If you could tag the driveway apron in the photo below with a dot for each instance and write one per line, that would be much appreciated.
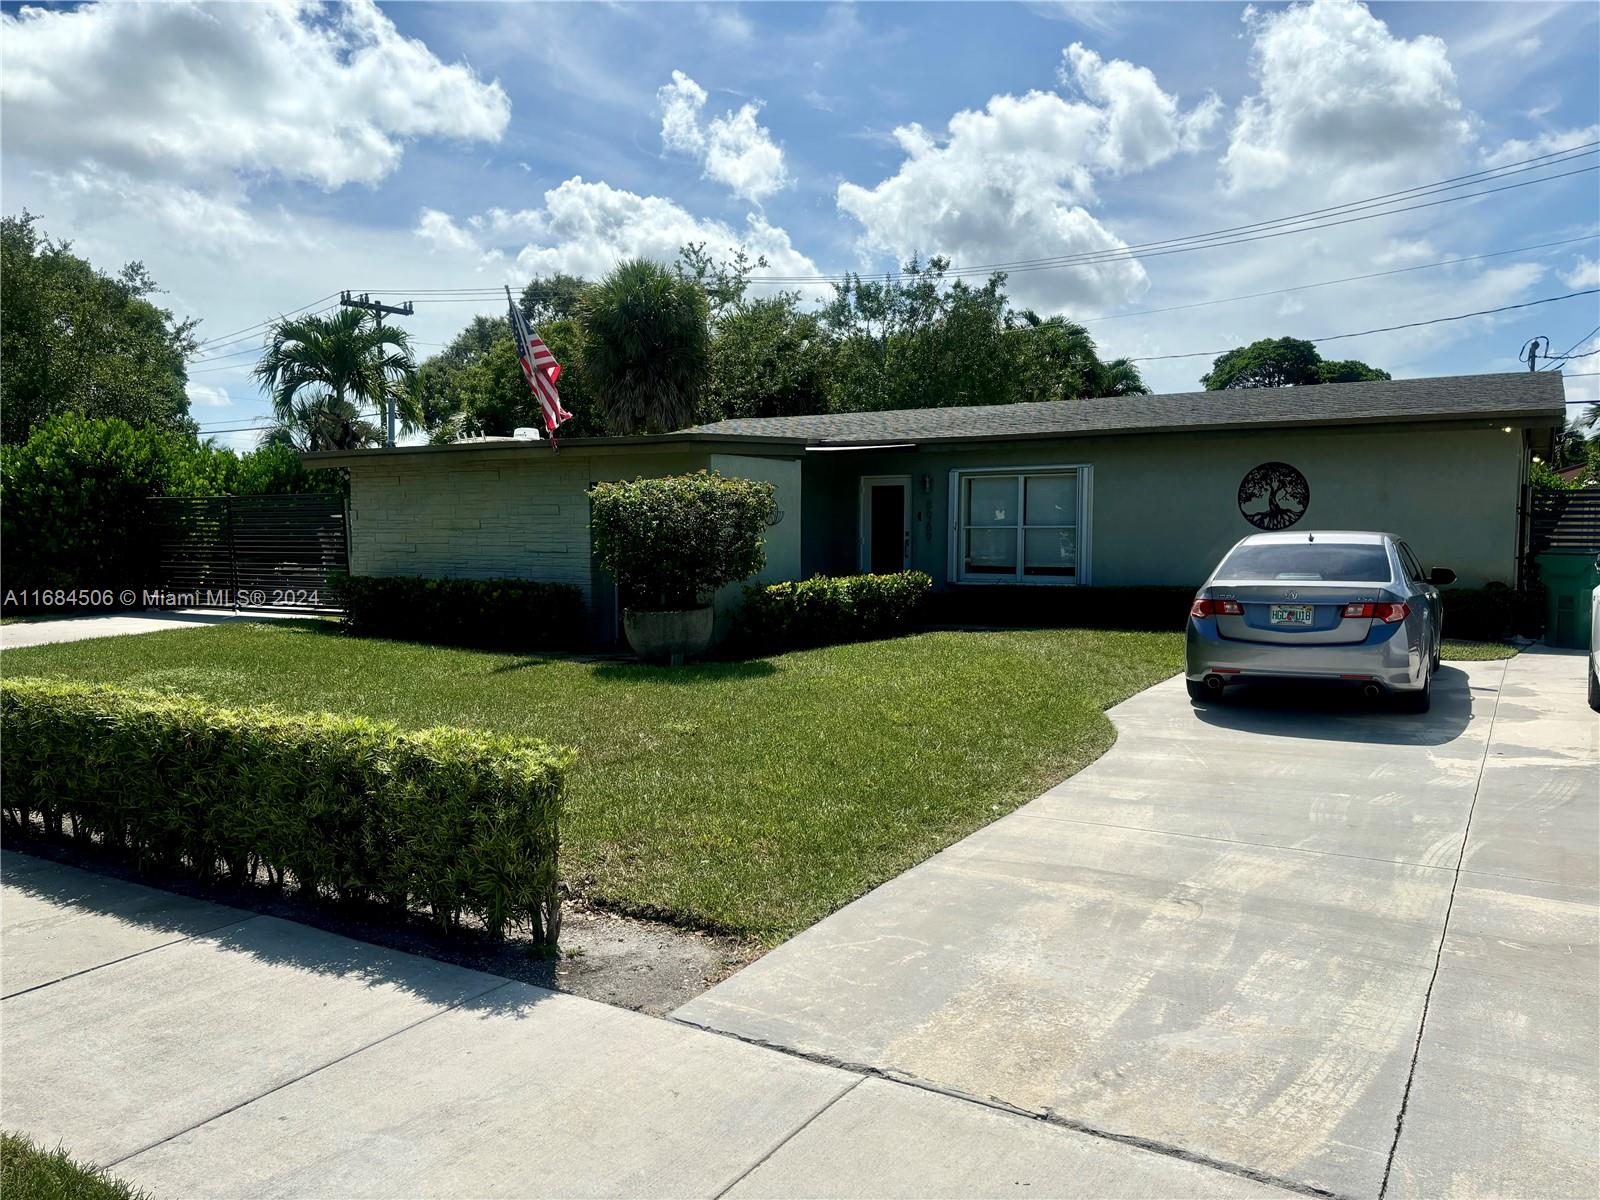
(1222, 938)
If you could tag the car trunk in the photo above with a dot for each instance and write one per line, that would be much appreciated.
(1306, 614)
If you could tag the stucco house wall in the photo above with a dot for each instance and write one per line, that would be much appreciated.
(1164, 508)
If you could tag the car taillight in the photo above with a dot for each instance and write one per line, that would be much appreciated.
(1389, 614)
(1216, 608)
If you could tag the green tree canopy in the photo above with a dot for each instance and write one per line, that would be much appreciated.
(768, 359)
(75, 340)
(1283, 362)
(331, 376)
(644, 344)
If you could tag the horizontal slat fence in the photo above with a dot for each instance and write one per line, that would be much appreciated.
(261, 551)
(1566, 520)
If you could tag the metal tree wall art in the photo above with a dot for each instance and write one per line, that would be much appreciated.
(1273, 496)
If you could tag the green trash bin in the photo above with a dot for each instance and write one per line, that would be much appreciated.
(1569, 577)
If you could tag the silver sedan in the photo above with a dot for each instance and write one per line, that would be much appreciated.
(1350, 608)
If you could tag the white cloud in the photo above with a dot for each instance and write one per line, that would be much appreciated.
(323, 95)
(202, 396)
(1141, 125)
(1014, 180)
(734, 149)
(1585, 273)
(1343, 102)
(1556, 140)
(586, 228)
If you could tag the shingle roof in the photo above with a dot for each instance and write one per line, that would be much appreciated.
(1526, 397)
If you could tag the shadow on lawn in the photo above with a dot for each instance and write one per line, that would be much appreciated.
(691, 675)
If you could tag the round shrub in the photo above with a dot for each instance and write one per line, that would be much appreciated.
(669, 543)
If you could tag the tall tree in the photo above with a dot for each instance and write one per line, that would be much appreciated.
(330, 378)
(1282, 362)
(1056, 359)
(767, 359)
(75, 340)
(644, 347)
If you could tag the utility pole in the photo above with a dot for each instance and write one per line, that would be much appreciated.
(379, 310)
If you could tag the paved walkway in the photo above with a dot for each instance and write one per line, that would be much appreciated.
(1223, 937)
(80, 629)
(202, 1051)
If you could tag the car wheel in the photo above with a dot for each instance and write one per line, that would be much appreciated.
(1594, 688)
(1199, 692)
(1418, 701)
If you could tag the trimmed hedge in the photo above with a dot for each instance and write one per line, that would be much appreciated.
(827, 609)
(1138, 608)
(452, 821)
(493, 614)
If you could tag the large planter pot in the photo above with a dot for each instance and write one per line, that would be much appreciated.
(670, 635)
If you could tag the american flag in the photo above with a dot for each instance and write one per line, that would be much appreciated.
(539, 367)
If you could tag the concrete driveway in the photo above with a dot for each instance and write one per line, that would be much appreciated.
(1341, 951)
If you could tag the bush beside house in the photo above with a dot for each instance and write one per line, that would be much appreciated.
(456, 822)
(669, 543)
(491, 614)
(825, 610)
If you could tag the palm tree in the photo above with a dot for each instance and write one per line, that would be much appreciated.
(644, 347)
(325, 374)
(1119, 377)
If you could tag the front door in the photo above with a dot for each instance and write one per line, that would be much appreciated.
(885, 524)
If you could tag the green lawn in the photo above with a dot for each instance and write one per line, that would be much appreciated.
(29, 1173)
(1475, 651)
(752, 797)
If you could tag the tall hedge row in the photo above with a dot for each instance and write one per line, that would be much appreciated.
(450, 821)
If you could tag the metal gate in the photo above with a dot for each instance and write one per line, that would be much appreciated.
(249, 551)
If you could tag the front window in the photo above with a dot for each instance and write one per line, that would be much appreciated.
(1306, 562)
(1019, 528)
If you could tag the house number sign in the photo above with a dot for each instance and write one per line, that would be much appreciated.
(1273, 496)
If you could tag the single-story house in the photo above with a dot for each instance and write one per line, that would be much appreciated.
(1134, 490)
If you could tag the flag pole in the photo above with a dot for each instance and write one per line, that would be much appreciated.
(511, 306)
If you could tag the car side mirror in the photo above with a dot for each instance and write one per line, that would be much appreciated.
(1441, 577)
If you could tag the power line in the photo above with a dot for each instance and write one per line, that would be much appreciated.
(259, 324)
(1167, 245)
(1560, 358)
(1335, 337)
(1201, 242)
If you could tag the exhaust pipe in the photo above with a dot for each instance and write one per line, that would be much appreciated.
(1214, 684)
(1371, 691)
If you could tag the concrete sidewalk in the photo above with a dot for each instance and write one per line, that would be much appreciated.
(99, 625)
(198, 1050)
(1228, 934)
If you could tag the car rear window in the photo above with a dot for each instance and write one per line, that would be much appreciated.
(1307, 562)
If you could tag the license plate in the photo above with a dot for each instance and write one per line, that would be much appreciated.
(1290, 614)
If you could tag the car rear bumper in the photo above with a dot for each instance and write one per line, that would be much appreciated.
(1386, 658)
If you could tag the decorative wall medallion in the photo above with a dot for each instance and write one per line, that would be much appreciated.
(1273, 496)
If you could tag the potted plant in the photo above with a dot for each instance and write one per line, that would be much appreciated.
(670, 543)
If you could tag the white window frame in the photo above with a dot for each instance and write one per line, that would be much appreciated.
(1084, 575)
(864, 523)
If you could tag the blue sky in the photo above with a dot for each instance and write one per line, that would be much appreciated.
(259, 157)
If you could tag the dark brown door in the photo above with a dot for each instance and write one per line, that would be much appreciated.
(886, 526)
